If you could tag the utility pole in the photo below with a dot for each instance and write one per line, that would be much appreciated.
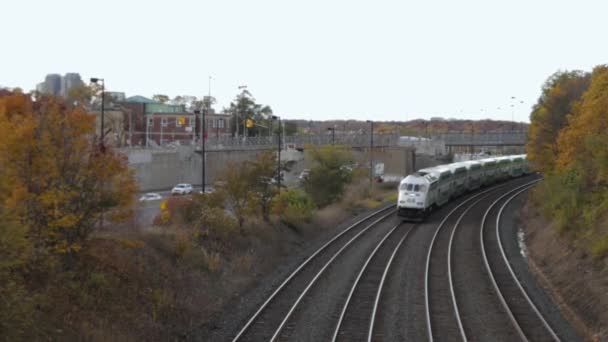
(202, 145)
(333, 134)
(274, 117)
(371, 148)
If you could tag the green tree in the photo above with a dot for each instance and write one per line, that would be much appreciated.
(244, 108)
(330, 174)
(261, 172)
(559, 93)
(161, 98)
(293, 207)
(237, 191)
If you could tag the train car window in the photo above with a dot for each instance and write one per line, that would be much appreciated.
(416, 187)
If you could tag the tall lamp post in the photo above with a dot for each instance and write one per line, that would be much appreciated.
(202, 145)
(103, 94)
(333, 134)
(371, 148)
(274, 117)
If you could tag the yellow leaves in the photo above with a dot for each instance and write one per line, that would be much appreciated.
(131, 244)
(560, 93)
(53, 176)
(589, 118)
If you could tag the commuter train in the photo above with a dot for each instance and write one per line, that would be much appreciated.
(425, 190)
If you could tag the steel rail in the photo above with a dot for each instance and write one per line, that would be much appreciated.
(316, 277)
(451, 281)
(515, 279)
(377, 301)
(428, 258)
(356, 282)
(489, 269)
(302, 265)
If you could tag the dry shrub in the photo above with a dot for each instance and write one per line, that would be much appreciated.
(244, 262)
(211, 260)
(331, 215)
(359, 195)
(294, 208)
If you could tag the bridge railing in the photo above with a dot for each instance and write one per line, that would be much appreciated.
(487, 138)
(299, 141)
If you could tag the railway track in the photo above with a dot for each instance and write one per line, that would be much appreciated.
(272, 316)
(442, 317)
(358, 314)
(522, 313)
(446, 293)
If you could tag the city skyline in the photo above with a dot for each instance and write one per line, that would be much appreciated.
(387, 61)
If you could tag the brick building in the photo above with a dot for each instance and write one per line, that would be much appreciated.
(152, 123)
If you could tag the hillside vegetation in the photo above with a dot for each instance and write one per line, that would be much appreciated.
(568, 143)
(75, 266)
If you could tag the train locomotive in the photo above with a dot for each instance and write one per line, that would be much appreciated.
(427, 189)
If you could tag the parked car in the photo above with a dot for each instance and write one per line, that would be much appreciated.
(304, 175)
(150, 196)
(208, 189)
(182, 189)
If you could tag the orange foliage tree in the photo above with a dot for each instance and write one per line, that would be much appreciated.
(55, 178)
(548, 116)
(585, 139)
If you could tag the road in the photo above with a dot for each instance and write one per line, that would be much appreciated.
(146, 211)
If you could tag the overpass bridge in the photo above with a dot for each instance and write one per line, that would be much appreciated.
(364, 140)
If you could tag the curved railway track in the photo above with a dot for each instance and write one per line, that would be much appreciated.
(438, 286)
(276, 310)
(359, 311)
(515, 317)
(521, 310)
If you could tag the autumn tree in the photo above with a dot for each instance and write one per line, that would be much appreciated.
(330, 174)
(584, 140)
(55, 178)
(261, 172)
(236, 190)
(161, 98)
(16, 305)
(559, 93)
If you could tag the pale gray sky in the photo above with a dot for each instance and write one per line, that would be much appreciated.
(381, 60)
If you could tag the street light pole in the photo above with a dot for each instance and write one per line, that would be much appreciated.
(513, 113)
(103, 94)
(371, 148)
(274, 117)
(203, 178)
(333, 134)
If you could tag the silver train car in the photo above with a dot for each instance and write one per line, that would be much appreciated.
(427, 189)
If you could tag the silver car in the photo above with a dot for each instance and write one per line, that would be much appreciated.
(182, 189)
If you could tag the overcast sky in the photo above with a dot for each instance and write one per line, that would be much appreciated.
(381, 60)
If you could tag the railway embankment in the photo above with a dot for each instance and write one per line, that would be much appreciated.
(576, 280)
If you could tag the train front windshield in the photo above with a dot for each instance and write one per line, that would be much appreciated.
(413, 187)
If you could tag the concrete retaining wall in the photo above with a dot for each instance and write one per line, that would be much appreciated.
(162, 169)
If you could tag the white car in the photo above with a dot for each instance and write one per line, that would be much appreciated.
(304, 175)
(182, 189)
(150, 196)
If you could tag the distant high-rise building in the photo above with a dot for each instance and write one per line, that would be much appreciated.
(52, 84)
(68, 82)
(55, 84)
